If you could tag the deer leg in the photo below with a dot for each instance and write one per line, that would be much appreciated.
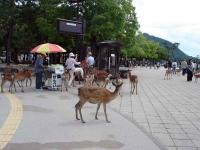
(65, 83)
(15, 87)
(2, 83)
(26, 82)
(104, 108)
(10, 88)
(22, 82)
(81, 115)
(79, 108)
(136, 88)
(30, 81)
(98, 106)
(18, 83)
(76, 110)
(133, 87)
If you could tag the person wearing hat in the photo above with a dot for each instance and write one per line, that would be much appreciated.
(70, 66)
(39, 69)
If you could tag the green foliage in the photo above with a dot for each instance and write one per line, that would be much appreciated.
(27, 23)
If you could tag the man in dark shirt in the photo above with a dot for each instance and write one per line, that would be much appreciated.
(39, 69)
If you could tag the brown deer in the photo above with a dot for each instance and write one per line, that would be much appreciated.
(6, 77)
(178, 71)
(19, 76)
(101, 77)
(96, 95)
(196, 76)
(65, 78)
(168, 74)
(133, 81)
(89, 80)
(28, 74)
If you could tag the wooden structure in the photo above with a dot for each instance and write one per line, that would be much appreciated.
(107, 56)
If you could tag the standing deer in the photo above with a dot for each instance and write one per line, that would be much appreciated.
(6, 77)
(196, 76)
(95, 95)
(168, 74)
(133, 81)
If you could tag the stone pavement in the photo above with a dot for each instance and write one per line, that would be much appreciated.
(164, 115)
(48, 122)
(168, 110)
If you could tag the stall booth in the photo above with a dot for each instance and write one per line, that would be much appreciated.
(107, 56)
(53, 77)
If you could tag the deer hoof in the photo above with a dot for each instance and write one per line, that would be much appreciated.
(83, 121)
(96, 118)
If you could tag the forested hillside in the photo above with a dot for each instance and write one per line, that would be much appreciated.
(174, 52)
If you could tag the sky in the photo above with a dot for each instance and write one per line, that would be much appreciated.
(177, 21)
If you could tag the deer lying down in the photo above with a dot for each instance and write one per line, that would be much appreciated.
(96, 95)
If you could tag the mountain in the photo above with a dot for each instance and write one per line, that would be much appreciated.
(174, 52)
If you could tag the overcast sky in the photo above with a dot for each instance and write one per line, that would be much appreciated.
(173, 20)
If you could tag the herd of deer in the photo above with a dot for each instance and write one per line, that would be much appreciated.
(88, 93)
(14, 76)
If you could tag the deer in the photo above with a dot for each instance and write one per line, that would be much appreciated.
(28, 75)
(168, 74)
(178, 71)
(65, 78)
(101, 76)
(133, 81)
(19, 76)
(196, 76)
(6, 77)
(89, 80)
(96, 95)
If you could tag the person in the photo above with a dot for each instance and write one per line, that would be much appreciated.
(184, 67)
(169, 64)
(189, 71)
(70, 66)
(39, 69)
(174, 66)
(90, 62)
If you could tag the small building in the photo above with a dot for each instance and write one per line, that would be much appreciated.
(107, 56)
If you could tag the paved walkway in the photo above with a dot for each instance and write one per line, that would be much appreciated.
(164, 115)
(166, 109)
(48, 122)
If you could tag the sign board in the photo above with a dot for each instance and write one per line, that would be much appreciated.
(70, 26)
(54, 81)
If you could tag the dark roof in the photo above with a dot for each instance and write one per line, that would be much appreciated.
(113, 44)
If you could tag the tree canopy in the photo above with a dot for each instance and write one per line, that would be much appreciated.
(26, 23)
